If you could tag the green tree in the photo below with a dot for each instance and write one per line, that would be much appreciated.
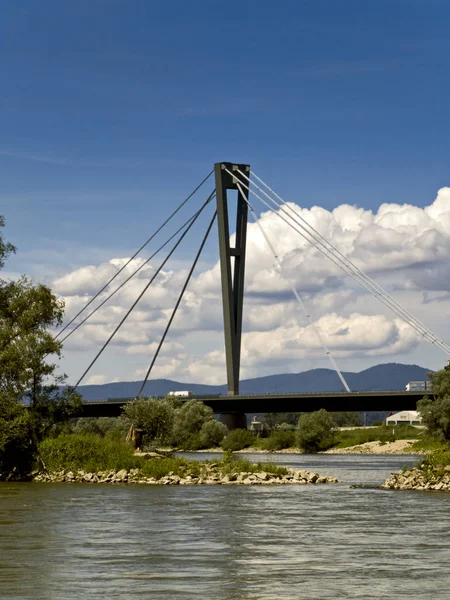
(315, 431)
(274, 420)
(440, 381)
(436, 416)
(238, 439)
(27, 373)
(6, 248)
(346, 419)
(189, 420)
(212, 433)
(436, 412)
(153, 417)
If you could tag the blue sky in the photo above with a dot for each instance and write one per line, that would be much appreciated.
(111, 111)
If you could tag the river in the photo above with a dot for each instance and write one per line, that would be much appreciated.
(72, 541)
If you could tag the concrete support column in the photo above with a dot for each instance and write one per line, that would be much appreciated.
(234, 420)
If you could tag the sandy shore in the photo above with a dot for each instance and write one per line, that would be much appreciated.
(397, 447)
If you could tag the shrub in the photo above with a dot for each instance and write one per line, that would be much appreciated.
(17, 447)
(346, 419)
(229, 464)
(86, 451)
(436, 416)
(278, 440)
(238, 439)
(189, 420)
(102, 426)
(191, 442)
(315, 431)
(212, 433)
(153, 417)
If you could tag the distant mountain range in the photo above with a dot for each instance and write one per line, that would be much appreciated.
(390, 376)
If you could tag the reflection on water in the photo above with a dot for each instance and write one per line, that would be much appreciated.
(227, 542)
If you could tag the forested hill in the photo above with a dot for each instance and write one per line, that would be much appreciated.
(390, 376)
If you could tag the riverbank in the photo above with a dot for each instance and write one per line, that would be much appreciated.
(375, 447)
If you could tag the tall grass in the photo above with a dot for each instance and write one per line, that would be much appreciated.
(92, 453)
(86, 452)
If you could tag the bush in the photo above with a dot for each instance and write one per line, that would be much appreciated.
(438, 459)
(278, 440)
(153, 417)
(189, 420)
(238, 439)
(212, 433)
(102, 426)
(92, 453)
(315, 431)
(191, 442)
(436, 416)
(17, 446)
(86, 451)
(346, 419)
(229, 464)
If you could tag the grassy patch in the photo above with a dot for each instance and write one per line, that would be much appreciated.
(384, 434)
(87, 452)
(229, 464)
(438, 459)
(279, 440)
(92, 453)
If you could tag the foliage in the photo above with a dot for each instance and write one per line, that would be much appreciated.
(188, 422)
(315, 431)
(428, 443)
(230, 464)
(384, 434)
(153, 417)
(273, 420)
(279, 440)
(86, 451)
(27, 311)
(346, 419)
(16, 440)
(92, 453)
(436, 413)
(6, 248)
(102, 426)
(440, 381)
(238, 439)
(212, 433)
(438, 459)
(436, 416)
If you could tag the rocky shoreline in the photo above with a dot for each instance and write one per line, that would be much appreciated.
(420, 479)
(209, 475)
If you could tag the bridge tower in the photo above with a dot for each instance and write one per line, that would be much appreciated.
(232, 269)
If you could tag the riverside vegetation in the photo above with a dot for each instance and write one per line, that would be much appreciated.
(40, 438)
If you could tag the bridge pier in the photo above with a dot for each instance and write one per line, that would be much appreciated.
(234, 420)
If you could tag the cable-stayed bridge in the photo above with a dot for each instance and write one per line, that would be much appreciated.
(240, 180)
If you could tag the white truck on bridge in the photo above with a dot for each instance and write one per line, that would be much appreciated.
(181, 394)
(418, 386)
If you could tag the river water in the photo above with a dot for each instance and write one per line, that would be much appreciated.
(72, 541)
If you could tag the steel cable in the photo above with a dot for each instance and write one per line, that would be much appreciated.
(134, 256)
(138, 269)
(351, 270)
(139, 298)
(194, 264)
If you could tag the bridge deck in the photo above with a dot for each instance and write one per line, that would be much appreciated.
(389, 400)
